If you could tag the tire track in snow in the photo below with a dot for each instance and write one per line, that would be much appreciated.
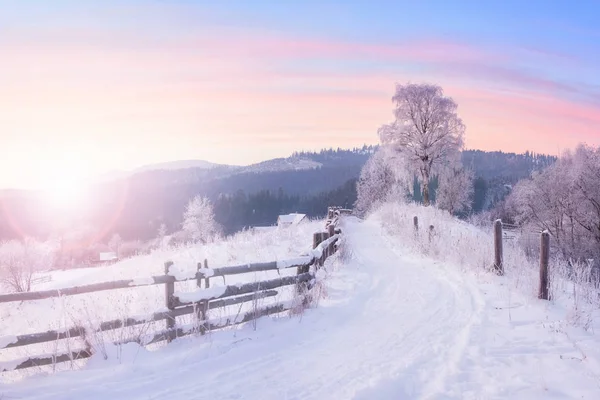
(445, 329)
(451, 359)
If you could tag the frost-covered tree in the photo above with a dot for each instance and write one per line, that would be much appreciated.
(115, 243)
(586, 165)
(19, 261)
(455, 192)
(199, 223)
(380, 180)
(161, 239)
(162, 231)
(374, 184)
(161, 234)
(427, 132)
(564, 199)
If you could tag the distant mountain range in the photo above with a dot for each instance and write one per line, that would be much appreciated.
(134, 204)
(183, 164)
(276, 164)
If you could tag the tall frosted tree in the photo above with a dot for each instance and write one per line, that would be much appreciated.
(426, 132)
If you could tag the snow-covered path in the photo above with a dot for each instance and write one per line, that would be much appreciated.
(392, 326)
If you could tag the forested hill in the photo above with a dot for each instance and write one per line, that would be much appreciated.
(496, 172)
(494, 164)
(243, 196)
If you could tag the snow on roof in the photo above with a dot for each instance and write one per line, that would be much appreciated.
(291, 218)
(108, 256)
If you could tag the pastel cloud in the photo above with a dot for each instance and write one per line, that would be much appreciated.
(194, 95)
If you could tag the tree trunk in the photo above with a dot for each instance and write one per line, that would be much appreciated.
(426, 193)
(425, 172)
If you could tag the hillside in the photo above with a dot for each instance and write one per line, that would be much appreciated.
(395, 320)
(136, 205)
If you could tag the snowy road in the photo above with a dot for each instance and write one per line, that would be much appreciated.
(393, 326)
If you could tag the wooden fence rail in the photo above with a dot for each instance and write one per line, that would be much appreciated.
(544, 285)
(198, 302)
(153, 280)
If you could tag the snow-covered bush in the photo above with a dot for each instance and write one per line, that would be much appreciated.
(115, 243)
(131, 248)
(19, 260)
(199, 223)
(381, 179)
(455, 193)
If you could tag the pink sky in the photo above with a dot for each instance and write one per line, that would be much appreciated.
(81, 102)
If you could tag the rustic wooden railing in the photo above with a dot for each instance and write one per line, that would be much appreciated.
(199, 302)
(503, 231)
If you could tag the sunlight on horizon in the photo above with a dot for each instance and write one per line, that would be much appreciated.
(65, 186)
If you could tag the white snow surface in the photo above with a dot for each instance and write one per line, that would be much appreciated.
(200, 294)
(139, 300)
(283, 264)
(142, 281)
(318, 251)
(7, 340)
(393, 325)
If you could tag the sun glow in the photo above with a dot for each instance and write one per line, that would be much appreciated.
(65, 189)
(65, 193)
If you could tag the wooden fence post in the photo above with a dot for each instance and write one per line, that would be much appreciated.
(303, 269)
(198, 278)
(331, 247)
(544, 258)
(317, 240)
(199, 307)
(325, 236)
(498, 257)
(169, 291)
(206, 280)
(204, 305)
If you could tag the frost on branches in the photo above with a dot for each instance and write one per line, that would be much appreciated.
(564, 199)
(455, 192)
(199, 223)
(381, 179)
(427, 132)
(20, 260)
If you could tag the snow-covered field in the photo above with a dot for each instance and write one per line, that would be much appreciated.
(89, 309)
(396, 322)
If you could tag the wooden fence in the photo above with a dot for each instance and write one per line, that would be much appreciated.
(199, 302)
(509, 232)
(499, 236)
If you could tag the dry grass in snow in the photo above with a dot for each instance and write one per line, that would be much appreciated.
(88, 310)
